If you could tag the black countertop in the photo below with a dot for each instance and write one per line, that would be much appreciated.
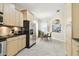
(76, 39)
(2, 39)
(6, 37)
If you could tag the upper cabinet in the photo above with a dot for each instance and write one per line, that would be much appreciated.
(9, 14)
(75, 20)
(29, 16)
(1, 7)
(12, 16)
(24, 12)
(19, 18)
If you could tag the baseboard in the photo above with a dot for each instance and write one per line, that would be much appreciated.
(58, 40)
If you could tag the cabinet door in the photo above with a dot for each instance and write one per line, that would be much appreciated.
(12, 15)
(21, 19)
(9, 14)
(24, 42)
(29, 16)
(12, 47)
(1, 7)
(75, 19)
(17, 17)
(24, 15)
(7, 20)
(19, 43)
(75, 48)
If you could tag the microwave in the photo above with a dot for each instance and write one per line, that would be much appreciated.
(1, 18)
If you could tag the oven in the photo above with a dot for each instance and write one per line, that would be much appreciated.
(2, 47)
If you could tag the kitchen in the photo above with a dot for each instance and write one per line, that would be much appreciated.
(18, 28)
(13, 34)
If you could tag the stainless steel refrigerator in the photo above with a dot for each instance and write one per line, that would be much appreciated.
(30, 31)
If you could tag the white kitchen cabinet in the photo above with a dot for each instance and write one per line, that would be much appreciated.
(15, 44)
(29, 16)
(1, 7)
(17, 19)
(24, 12)
(12, 16)
(75, 29)
(6, 16)
(75, 48)
(21, 19)
(23, 41)
(19, 43)
(9, 14)
(12, 46)
(75, 20)
(13, 20)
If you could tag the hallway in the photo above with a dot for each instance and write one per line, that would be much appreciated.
(45, 48)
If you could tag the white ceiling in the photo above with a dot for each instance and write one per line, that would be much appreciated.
(42, 10)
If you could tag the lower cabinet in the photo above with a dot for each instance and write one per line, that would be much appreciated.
(11, 47)
(75, 48)
(20, 43)
(15, 44)
(24, 42)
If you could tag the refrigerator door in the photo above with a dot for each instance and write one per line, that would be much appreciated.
(32, 34)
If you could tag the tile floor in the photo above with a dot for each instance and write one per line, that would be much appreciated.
(45, 48)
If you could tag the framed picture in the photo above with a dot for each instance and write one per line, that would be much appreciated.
(56, 26)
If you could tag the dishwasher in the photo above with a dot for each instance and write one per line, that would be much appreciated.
(2, 47)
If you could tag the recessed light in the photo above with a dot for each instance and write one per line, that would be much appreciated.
(58, 10)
